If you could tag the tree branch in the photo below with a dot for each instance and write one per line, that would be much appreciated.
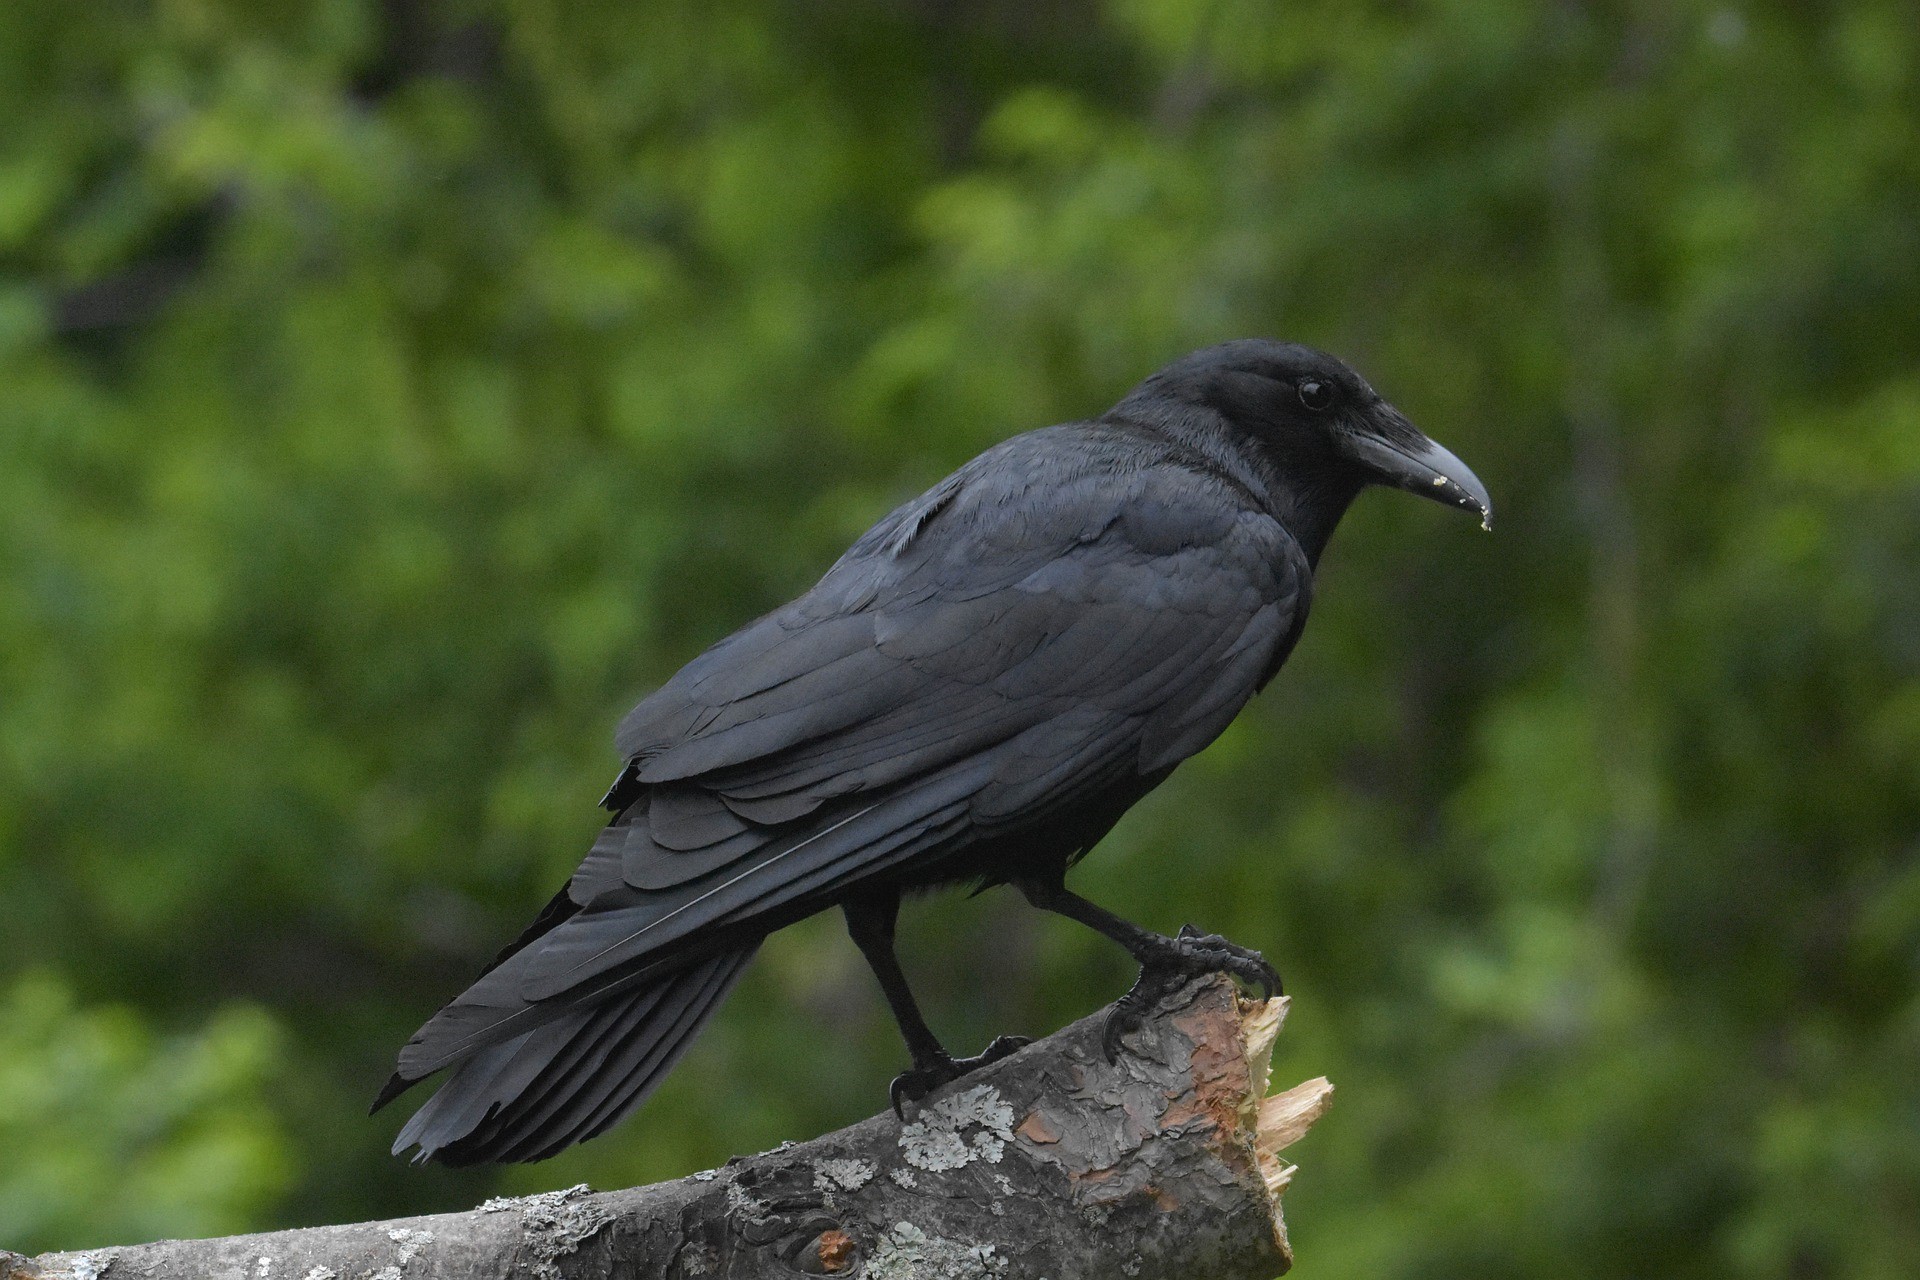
(1051, 1163)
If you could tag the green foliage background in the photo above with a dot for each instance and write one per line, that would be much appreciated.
(390, 393)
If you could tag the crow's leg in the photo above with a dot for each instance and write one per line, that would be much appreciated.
(870, 921)
(1165, 963)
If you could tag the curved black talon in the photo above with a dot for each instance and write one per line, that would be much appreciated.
(911, 1086)
(1186, 955)
(918, 1083)
(1211, 953)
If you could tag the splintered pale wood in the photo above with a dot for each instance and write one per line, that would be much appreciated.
(1051, 1163)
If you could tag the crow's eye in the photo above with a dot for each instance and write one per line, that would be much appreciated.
(1316, 395)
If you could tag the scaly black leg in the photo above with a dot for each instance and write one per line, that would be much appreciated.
(1165, 963)
(870, 922)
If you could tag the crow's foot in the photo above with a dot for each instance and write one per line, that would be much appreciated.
(911, 1086)
(1174, 961)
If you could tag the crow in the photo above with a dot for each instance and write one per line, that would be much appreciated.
(974, 693)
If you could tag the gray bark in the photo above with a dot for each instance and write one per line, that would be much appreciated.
(1051, 1163)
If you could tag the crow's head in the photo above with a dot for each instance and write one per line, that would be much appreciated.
(1315, 418)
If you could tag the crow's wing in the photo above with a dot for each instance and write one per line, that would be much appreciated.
(1085, 616)
(1043, 623)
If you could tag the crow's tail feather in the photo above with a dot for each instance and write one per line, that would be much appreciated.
(569, 1079)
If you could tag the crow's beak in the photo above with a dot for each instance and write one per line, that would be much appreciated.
(1402, 457)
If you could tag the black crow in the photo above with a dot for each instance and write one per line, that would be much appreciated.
(975, 692)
